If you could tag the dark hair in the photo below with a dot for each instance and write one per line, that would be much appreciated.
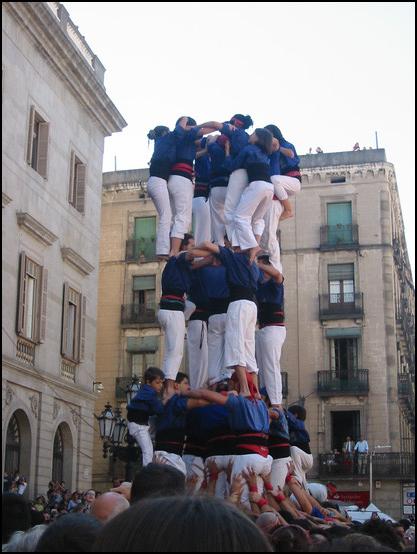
(158, 132)
(299, 411)
(157, 480)
(190, 120)
(276, 133)
(70, 533)
(383, 532)
(153, 373)
(181, 524)
(185, 240)
(180, 377)
(405, 523)
(246, 120)
(354, 542)
(16, 515)
(264, 140)
(290, 539)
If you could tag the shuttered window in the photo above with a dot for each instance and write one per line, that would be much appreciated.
(38, 141)
(341, 283)
(73, 324)
(32, 300)
(144, 293)
(76, 194)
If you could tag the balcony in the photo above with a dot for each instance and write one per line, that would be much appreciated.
(339, 237)
(348, 305)
(141, 250)
(389, 465)
(406, 396)
(133, 314)
(331, 383)
(284, 376)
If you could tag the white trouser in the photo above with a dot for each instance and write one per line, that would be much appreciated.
(269, 342)
(143, 438)
(222, 488)
(238, 181)
(258, 226)
(195, 468)
(189, 309)
(197, 353)
(279, 472)
(255, 201)
(201, 220)
(173, 324)
(173, 460)
(216, 342)
(158, 191)
(285, 186)
(259, 464)
(303, 462)
(240, 335)
(217, 200)
(181, 192)
(269, 240)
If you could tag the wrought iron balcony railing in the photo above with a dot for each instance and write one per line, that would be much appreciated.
(137, 313)
(339, 237)
(284, 377)
(338, 306)
(335, 383)
(141, 250)
(389, 465)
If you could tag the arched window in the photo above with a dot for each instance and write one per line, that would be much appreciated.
(12, 461)
(58, 457)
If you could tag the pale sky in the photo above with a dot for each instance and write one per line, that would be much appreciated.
(328, 74)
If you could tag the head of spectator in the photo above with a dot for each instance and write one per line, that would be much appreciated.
(70, 533)
(405, 523)
(354, 542)
(187, 242)
(24, 541)
(318, 491)
(15, 515)
(157, 480)
(124, 489)
(36, 517)
(90, 496)
(267, 522)
(108, 505)
(383, 532)
(298, 411)
(290, 539)
(181, 524)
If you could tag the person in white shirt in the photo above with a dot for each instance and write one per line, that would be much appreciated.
(361, 447)
(348, 449)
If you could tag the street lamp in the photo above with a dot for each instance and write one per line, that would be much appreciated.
(132, 388)
(370, 468)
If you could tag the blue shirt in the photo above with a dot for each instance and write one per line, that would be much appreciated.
(214, 281)
(248, 155)
(278, 428)
(240, 272)
(288, 164)
(173, 416)
(165, 147)
(238, 138)
(186, 148)
(146, 400)
(202, 166)
(270, 291)
(198, 293)
(246, 415)
(298, 432)
(218, 168)
(274, 163)
(176, 275)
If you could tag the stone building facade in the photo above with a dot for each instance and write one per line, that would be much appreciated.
(56, 114)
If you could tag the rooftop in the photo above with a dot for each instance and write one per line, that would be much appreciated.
(352, 157)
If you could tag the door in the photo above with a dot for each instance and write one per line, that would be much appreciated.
(344, 424)
(339, 222)
(145, 234)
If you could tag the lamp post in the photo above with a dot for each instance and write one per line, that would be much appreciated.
(370, 468)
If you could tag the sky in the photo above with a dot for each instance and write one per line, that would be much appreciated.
(328, 74)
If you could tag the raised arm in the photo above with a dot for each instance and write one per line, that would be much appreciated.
(207, 395)
(287, 152)
(208, 260)
(271, 271)
(204, 249)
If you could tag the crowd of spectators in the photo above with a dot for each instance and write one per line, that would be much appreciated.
(159, 512)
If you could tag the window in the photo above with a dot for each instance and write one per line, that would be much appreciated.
(341, 284)
(12, 458)
(73, 324)
(37, 147)
(339, 222)
(141, 361)
(32, 297)
(76, 195)
(344, 357)
(345, 424)
(338, 179)
(144, 295)
(145, 235)
(58, 457)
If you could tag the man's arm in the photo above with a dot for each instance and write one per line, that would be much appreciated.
(205, 248)
(272, 272)
(207, 395)
(206, 261)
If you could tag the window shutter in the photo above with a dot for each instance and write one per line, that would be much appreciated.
(42, 309)
(43, 149)
(71, 183)
(30, 135)
(80, 187)
(340, 272)
(20, 320)
(64, 345)
(83, 308)
(144, 282)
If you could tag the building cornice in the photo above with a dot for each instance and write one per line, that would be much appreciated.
(5, 200)
(52, 38)
(36, 229)
(80, 264)
(42, 376)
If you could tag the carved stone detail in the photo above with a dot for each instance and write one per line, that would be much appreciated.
(36, 229)
(81, 265)
(34, 404)
(9, 394)
(55, 410)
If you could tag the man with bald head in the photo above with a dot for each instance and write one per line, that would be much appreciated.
(108, 505)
